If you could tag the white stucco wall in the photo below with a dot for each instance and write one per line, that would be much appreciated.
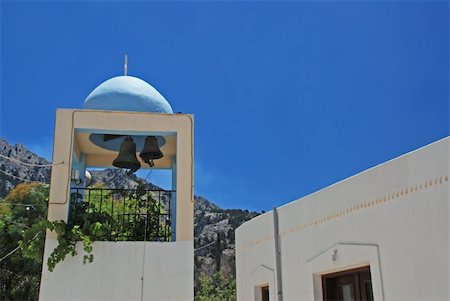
(393, 217)
(115, 273)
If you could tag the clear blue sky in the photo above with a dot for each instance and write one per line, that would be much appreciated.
(288, 97)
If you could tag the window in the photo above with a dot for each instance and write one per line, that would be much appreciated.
(265, 293)
(350, 285)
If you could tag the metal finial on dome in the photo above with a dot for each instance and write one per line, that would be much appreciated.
(125, 65)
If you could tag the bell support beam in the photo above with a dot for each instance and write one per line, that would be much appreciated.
(101, 157)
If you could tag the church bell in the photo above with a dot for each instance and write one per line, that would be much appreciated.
(127, 156)
(151, 150)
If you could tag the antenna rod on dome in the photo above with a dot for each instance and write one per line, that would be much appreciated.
(125, 65)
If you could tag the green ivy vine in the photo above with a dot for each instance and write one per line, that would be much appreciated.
(91, 226)
(88, 223)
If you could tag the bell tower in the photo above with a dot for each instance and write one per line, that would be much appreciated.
(125, 123)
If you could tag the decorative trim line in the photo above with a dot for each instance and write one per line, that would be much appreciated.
(355, 208)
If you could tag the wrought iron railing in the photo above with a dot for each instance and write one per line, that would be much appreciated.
(134, 214)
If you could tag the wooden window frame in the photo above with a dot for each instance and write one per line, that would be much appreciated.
(357, 277)
(264, 289)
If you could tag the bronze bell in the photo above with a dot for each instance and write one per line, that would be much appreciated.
(127, 156)
(151, 150)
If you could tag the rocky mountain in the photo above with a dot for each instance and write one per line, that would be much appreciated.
(118, 178)
(213, 226)
(13, 173)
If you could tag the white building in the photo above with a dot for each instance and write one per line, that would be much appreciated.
(382, 234)
(124, 112)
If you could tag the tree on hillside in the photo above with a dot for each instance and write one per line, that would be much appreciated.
(24, 206)
(216, 288)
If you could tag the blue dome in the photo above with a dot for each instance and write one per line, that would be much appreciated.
(127, 93)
